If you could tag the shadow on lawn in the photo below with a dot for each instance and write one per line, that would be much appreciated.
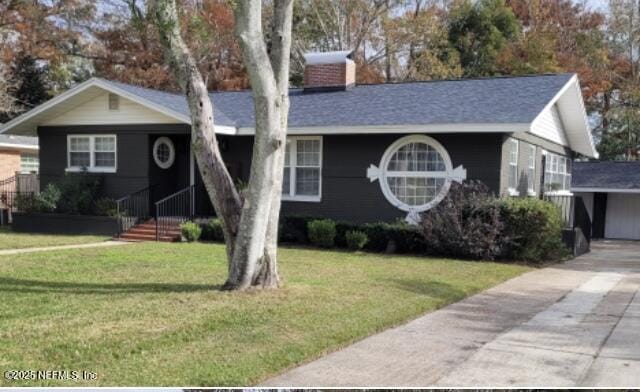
(39, 286)
(430, 288)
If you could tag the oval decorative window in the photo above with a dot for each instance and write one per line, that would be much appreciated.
(415, 174)
(164, 152)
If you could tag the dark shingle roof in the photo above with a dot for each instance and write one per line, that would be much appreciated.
(484, 101)
(173, 101)
(500, 100)
(611, 174)
(18, 140)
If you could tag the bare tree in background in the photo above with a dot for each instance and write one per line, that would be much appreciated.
(250, 223)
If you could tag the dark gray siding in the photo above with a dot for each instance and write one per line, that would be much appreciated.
(133, 154)
(347, 194)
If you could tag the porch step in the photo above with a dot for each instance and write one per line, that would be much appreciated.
(146, 231)
(147, 237)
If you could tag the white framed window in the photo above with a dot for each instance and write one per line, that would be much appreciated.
(93, 153)
(164, 152)
(415, 173)
(303, 169)
(29, 163)
(531, 170)
(513, 167)
(557, 174)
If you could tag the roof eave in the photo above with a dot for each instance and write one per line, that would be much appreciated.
(399, 128)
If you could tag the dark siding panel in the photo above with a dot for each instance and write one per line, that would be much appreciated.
(599, 214)
(347, 194)
(132, 148)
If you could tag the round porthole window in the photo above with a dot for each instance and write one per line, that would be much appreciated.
(415, 174)
(164, 152)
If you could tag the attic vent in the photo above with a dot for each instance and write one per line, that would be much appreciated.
(114, 101)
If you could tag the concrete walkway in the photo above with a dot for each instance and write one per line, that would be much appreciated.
(575, 324)
(61, 247)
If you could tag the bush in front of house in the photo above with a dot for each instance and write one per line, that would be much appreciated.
(467, 223)
(190, 231)
(322, 232)
(212, 230)
(78, 194)
(42, 202)
(356, 240)
(534, 230)
(106, 206)
(75, 194)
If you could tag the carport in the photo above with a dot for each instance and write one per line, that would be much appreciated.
(611, 193)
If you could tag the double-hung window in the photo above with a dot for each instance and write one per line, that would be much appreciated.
(94, 153)
(557, 173)
(29, 163)
(531, 170)
(513, 166)
(303, 169)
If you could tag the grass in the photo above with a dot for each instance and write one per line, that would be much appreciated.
(151, 314)
(13, 240)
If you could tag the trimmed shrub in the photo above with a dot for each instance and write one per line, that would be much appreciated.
(294, 229)
(322, 232)
(534, 229)
(212, 230)
(47, 200)
(106, 206)
(467, 223)
(356, 240)
(78, 192)
(190, 231)
(398, 237)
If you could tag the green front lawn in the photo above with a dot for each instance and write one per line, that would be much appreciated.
(12, 240)
(151, 314)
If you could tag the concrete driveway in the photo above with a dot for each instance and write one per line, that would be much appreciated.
(575, 324)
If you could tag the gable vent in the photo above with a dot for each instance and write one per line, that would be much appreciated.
(114, 101)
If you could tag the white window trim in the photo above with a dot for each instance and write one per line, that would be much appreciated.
(172, 152)
(292, 171)
(513, 191)
(567, 172)
(34, 166)
(447, 175)
(533, 151)
(91, 168)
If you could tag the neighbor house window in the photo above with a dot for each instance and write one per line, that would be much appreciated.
(29, 163)
(557, 173)
(302, 169)
(513, 166)
(95, 153)
(531, 170)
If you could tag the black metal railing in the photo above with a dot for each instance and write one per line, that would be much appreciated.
(18, 192)
(174, 210)
(134, 208)
(565, 204)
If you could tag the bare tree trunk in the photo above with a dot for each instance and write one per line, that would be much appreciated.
(255, 260)
(216, 178)
(251, 228)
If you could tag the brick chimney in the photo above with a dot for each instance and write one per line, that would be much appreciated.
(329, 71)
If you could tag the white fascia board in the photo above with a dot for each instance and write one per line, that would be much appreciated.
(391, 129)
(555, 99)
(604, 190)
(19, 146)
(575, 83)
(225, 130)
(50, 103)
(93, 82)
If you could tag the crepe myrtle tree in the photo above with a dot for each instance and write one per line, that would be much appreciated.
(250, 223)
